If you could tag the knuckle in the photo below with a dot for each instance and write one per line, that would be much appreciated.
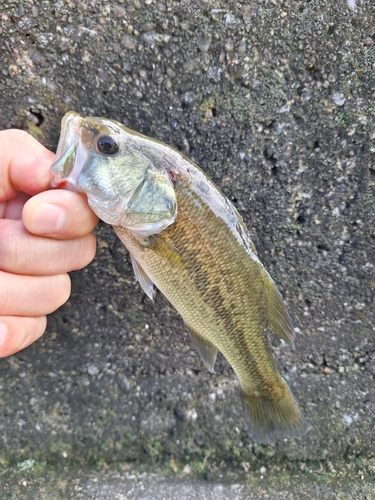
(15, 248)
(7, 241)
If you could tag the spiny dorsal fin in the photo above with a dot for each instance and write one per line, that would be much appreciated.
(279, 321)
(205, 348)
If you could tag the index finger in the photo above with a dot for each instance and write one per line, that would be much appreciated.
(24, 164)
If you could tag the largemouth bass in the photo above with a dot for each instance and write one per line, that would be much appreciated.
(186, 237)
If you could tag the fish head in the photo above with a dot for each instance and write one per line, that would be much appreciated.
(124, 185)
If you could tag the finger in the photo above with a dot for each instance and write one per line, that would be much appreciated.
(24, 253)
(24, 164)
(59, 214)
(13, 208)
(32, 295)
(16, 333)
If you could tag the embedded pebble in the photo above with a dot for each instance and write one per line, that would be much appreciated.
(204, 43)
(92, 370)
(338, 98)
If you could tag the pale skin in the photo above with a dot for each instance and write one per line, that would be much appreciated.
(44, 234)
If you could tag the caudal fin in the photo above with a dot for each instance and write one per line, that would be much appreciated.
(266, 418)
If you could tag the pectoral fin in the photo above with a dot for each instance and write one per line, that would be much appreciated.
(205, 348)
(168, 252)
(142, 278)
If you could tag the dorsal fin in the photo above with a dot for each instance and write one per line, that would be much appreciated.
(279, 321)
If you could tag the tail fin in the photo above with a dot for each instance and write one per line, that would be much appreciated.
(265, 418)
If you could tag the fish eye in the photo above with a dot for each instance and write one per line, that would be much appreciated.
(107, 145)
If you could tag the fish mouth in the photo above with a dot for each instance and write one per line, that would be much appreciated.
(62, 169)
(69, 131)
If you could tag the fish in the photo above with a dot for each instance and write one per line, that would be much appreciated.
(187, 239)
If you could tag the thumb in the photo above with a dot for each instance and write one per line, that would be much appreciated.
(24, 164)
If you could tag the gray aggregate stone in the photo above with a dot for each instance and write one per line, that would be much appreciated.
(275, 101)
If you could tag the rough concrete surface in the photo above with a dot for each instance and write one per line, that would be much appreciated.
(275, 101)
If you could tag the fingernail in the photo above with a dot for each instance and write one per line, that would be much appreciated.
(48, 219)
(3, 332)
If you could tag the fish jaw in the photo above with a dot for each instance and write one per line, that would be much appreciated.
(69, 156)
(69, 132)
(122, 189)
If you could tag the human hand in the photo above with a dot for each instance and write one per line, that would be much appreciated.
(43, 235)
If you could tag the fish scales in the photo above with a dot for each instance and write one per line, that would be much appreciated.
(217, 282)
(226, 302)
(189, 241)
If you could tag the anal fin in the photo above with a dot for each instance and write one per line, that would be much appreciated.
(142, 277)
(205, 348)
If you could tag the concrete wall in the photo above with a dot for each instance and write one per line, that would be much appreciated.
(275, 101)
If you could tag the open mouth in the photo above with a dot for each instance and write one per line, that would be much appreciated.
(69, 130)
(63, 169)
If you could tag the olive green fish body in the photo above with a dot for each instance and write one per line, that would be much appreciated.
(214, 279)
(185, 237)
